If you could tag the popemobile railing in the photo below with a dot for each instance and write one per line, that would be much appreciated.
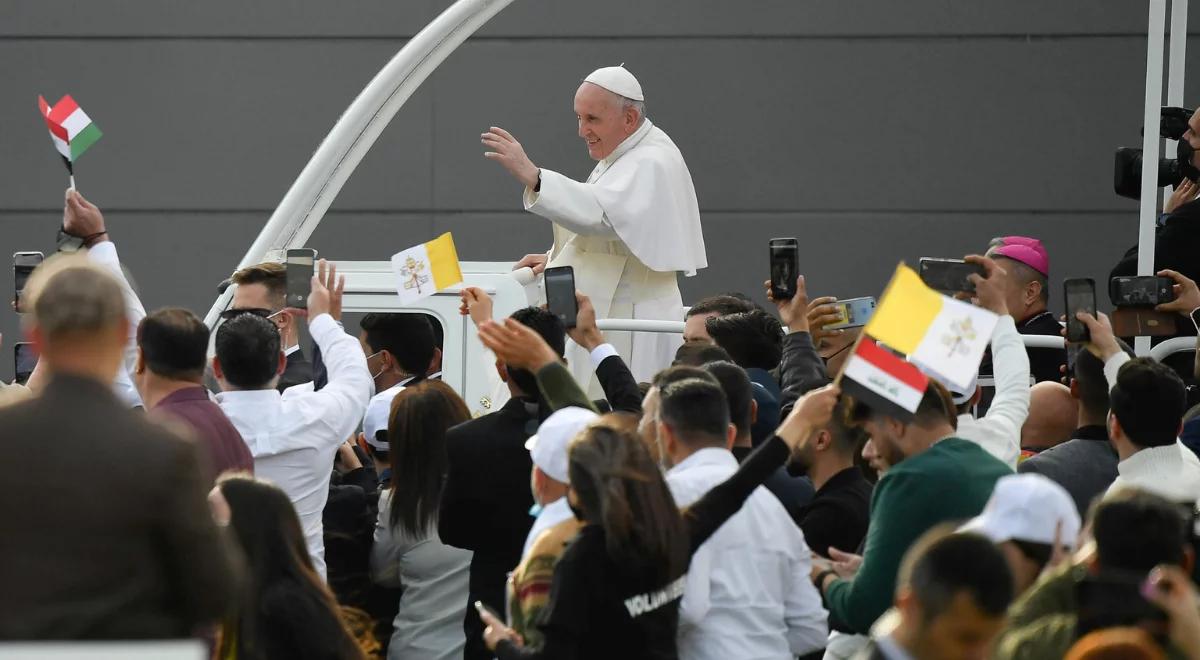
(1159, 352)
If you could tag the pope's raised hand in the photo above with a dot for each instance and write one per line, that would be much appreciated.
(504, 149)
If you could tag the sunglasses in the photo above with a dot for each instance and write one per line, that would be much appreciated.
(257, 311)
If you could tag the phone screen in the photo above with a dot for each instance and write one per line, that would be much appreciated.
(24, 360)
(952, 275)
(299, 276)
(785, 266)
(23, 265)
(855, 313)
(560, 294)
(1080, 296)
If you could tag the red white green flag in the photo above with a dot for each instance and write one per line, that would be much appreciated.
(70, 128)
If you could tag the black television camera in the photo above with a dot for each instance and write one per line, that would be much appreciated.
(1127, 180)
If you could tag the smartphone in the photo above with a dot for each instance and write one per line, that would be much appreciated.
(1141, 291)
(1080, 294)
(299, 276)
(560, 294)
(23, 265)
(855, 313)
(481, 608)
(950, 275)
(1143, 322)
(785, 267)
(24, 360)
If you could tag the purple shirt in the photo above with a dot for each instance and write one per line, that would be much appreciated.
(224, 445)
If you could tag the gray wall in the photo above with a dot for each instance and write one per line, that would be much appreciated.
(875, 131)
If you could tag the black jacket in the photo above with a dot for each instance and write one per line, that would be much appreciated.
(619, 385)
(486, 502)
(838, 514)
(299, 370)
(122, 544)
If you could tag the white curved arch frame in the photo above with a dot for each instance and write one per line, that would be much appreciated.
(305, 203)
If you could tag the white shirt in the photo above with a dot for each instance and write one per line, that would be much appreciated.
(749, 593)
(999, 431)
(294, 436)
(552, 514)
(105, 255)
(890, 650)
(1171, 471)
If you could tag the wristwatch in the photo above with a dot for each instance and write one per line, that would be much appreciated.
(71, 243)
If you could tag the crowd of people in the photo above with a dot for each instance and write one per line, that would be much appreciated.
(343, 503)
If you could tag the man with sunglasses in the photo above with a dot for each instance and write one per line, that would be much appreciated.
(261, 290)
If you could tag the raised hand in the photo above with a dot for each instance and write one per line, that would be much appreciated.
(811, 412)
(585, 333)
(516, 344)
(792, 312)
(476, 303)
(505, 149)
(326, 294)
(989, 289)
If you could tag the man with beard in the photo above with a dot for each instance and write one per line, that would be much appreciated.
(935, 477)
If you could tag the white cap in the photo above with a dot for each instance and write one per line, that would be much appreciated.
(617, 80)
(376, 418)
(548, 447)
(1028, 507)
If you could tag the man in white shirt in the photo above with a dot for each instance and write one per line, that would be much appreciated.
(1147, 401)
(629, 227)
(294, 436)
(749, 592)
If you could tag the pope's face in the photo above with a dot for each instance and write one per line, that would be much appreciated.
(602, 122)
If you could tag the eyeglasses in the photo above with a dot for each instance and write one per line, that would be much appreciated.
(257, 311)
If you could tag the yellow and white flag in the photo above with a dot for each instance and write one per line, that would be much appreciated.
(945, 335)
(426, 269)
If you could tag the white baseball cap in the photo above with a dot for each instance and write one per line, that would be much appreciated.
(379, 410)
(548, 447)
(1028, 507)
(617, 80)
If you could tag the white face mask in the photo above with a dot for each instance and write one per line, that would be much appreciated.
(375, 377)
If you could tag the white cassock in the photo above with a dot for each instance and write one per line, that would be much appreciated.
(626, 232)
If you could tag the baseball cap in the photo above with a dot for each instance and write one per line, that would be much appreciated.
(548, 447)
(1026, 250)
(1027, 507)
(379, 410)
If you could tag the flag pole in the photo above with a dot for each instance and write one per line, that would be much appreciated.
(70, 171)
(837, 380)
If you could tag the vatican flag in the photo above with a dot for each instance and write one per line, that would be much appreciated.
(424, 270)
(945, 335)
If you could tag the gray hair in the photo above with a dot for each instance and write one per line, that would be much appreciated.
(73, 296)
(627, 103)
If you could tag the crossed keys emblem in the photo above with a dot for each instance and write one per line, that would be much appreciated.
(413, 273)
(961, 332)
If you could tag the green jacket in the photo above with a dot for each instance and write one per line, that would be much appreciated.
(1041, 624)
(559, 389)
(949, 482)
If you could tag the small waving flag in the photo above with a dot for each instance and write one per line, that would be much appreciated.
(882, 380)
(426, 269)
(71, 130)
(946, 335)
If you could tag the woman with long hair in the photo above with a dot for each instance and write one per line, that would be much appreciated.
(287, 611)
(616, 588)
(407, 551)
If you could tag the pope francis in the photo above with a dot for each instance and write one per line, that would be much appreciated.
(629, 228)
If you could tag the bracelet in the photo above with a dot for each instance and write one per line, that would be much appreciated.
(87, 240)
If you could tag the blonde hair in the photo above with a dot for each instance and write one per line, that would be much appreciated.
(67, 294)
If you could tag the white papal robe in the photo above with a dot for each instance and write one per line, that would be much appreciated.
(627, 231)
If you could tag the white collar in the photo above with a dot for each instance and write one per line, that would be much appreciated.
(628, 143)
(891, 650)
(707, 457)
(248, 397)
(1151, 460)
(292, 349)
(556, 511)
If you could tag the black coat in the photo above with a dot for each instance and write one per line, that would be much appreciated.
(486, 502)
(121, 545)
(299, 370)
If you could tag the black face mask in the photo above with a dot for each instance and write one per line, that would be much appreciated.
(1183, 157)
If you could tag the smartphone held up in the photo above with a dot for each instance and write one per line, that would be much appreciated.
(23, 265)
(1080, 295)
(560, 294)
(299, 266)
(785, 267)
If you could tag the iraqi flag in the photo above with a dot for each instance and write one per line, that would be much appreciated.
(883, 381)
(72, 131)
